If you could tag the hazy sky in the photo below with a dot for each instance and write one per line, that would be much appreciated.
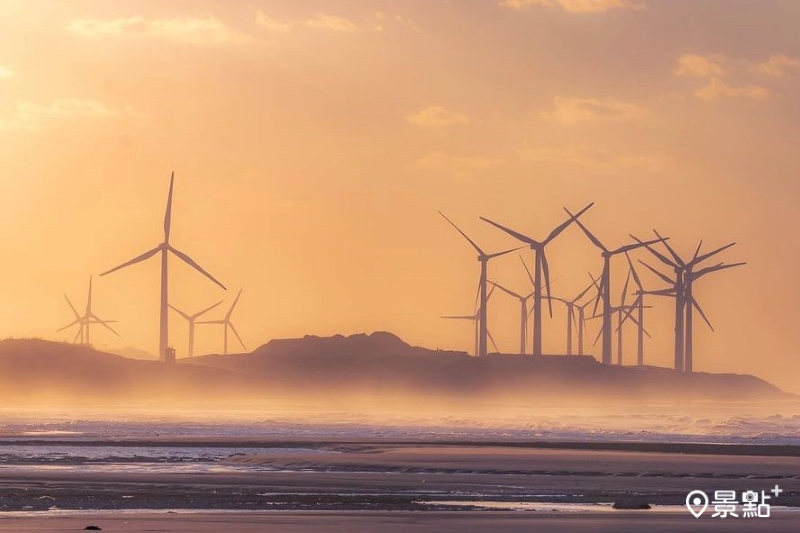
(314, 141)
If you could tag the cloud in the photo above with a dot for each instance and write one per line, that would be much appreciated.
(575, 6)
(700, 66)
(576, 110)
(717, 90)
(594, 158)
(272, 25)
(31, 116)
(437, 117)
(6, 73)
(776, 65)
(330, 22)
(208, 30)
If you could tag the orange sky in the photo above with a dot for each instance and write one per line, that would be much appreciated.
(313, 143)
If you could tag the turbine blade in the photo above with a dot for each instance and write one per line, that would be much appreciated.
(588, 233)
(206, 310)
(233, 329)
(584, 291)
(530, 277)
(546, 271)
(507, 291)
(633, 271)
(488, 333)
(561, 227)
(628, 315)
(463, 234)
(625, 288)
(702, 314)
(450, 317)
(598, 335)
(233, 305)
(89, 298)
(498, 254)
(657, 273)
(671, 251)
(136, 259)
(661, 257)
(168, 212)
(75, 311)
(78, 334)
(696, 253)
(184, 315)
(105, 323)
(189, 261)
(77, 321)
(518, 236)
(712, 253)
(629, 247)
(715, 268)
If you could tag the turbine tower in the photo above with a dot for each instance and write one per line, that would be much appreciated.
(523, 307)
(476, 319)
(226, 322)
(87, 318)
(191, 319)
(685, 303)
(605, 284)
(165, 247)
(484, 259)
(541, 268)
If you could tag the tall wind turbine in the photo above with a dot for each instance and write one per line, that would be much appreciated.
(191, 319)
(541, 267)
(685, 303)
(605, 283)
(484, 259)
(226, 322)
(572, 317)
(164, 248)
(87, 318)
(638, 305)
(523, 308)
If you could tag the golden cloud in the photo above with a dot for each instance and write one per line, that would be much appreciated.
(577, 110)
(437, 117)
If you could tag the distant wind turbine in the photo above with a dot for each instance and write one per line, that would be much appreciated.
(164, 248)
(523, 305)
(638, 305)
(484, 259)
(476, 319)
(605, 284)
(541, 267)
(572, 305)
(86, 319)
(226, 322)
(191, 319)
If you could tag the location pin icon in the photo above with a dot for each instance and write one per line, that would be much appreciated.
(697, 502)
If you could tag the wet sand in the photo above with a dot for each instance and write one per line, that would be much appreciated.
(399, 522)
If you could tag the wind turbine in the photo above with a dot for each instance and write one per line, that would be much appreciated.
(226, 322)
(523, 307)
(476, 319)
(572, 305)
(191, 319)
(541, 268)
(605, 284)
(685, 303)
(638, 305)
(164, 248)
(87, 318)
(484, 259)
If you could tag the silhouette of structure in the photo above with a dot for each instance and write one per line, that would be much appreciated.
(685, 303)
(86, 319)
(639, 307)
(541, 268)
(605, 284)
(191, 320)
(523, 308)
(484, 259)
(165, 247)
(574, 311)
(226, 323)
(476, 320)
(169, 355)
